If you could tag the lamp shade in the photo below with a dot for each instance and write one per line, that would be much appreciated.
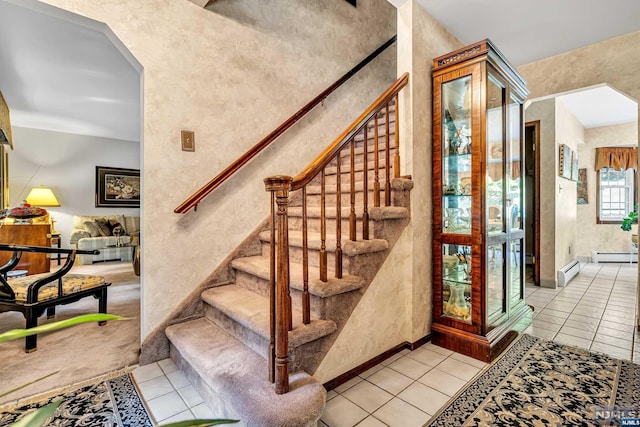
(41, 196)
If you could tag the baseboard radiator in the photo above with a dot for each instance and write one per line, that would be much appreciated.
(613, 257)
(568, 272)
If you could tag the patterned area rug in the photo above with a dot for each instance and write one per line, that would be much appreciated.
(542, 383)
(112, 402)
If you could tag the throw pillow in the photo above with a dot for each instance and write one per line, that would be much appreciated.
(90, 227)
(115, 225)
(103, 227)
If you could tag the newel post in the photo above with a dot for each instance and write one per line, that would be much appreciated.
(280, 298)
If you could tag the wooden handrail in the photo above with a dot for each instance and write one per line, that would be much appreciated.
(332, 150)
(195, 198)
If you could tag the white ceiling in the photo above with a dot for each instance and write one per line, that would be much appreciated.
(601, 106)
(62, 72)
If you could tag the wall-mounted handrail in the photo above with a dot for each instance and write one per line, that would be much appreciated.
(343, 149)
(198, 196)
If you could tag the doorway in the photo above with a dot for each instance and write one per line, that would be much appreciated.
(532, 202)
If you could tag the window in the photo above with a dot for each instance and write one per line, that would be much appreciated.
(616, 194)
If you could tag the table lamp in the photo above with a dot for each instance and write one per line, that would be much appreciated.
(43, 197)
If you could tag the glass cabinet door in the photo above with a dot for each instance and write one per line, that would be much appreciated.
(515, 197)
(456, 282)
(496, 215)
(456, 156)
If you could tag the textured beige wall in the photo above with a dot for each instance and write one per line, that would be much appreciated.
(544, 111)
(614, 62)
(569, 131)
(232, 82)
(592, 236)
(397, 304)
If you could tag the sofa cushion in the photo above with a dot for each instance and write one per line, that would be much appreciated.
(103, 226)
(101, 242)
(91, 228)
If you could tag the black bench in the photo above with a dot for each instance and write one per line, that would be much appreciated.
(32, 295)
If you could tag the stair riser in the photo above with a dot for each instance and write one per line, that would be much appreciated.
(319, 306)
(314, 225)
(381, 131)
(345, 154)
(345, 176)
(216, 403)
(330, 198)
(260, 344)
(295, 255)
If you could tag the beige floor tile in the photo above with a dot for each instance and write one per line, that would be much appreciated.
(432, 347)
(410, 367)
(167, 366)
(392, 381)
(428, 357)
(331, 394)
(571, 340)
(540, 332)
(182, 416)
(625, 320)
(458, 369)
(577, 332)
(424, 397)
(587, 326)
(542, 317)
(442, 382)
(398, 413)
(367, 396)
(341, 412)
(469, 360)
(344, 387)
(371, 371)
(203, 412)
(617, 352)
(147, 372)
(614, 325)
(371, 421)
(395, 357)
(190, 396)
(614, 341)
(155, 387)
(615, 332)
(166, 406)
(178, 379)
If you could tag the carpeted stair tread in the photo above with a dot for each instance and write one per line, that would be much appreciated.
(382, 212)
(259, 266)
(358, 247)
(239, 376)
(251, 310)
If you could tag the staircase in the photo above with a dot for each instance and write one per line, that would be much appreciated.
(230, 353)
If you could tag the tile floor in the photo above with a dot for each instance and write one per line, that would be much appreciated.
(596, 311)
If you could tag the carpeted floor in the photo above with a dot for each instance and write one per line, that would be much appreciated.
(108, 401)
(539, 382)
(82, 352)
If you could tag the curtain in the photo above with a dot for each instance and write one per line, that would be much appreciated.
(616, 158)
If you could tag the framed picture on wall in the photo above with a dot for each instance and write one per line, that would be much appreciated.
(565, 161)
(117, 187)
(582, 189)
(574, 166)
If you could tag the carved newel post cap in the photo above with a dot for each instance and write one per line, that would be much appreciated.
(278, 182)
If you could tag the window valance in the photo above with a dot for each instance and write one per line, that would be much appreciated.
(617, 158)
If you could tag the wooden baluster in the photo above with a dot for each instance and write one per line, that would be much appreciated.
(306, 302)
(396, 158)
(365, 185)
(323, 229)
(280, 185)
(376, 166)
(387, 183)
(272, 291)
(352, 215)
(338, 261)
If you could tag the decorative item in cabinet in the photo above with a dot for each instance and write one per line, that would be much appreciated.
(479, 302)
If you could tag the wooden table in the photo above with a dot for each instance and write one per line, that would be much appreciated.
(27, 234)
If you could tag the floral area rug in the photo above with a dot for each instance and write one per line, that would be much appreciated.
(542, 383)
(112, 402)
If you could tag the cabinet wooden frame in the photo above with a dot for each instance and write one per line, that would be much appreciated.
(483, 334)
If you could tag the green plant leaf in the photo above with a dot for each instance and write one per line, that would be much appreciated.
(87, 318)
(27, 384)
(39, 417)
(199, 423)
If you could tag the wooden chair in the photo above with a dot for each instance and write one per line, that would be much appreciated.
(32, 295)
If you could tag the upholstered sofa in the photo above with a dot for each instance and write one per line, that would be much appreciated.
(87, 234)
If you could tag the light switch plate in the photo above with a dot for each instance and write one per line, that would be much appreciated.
(188, 140)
